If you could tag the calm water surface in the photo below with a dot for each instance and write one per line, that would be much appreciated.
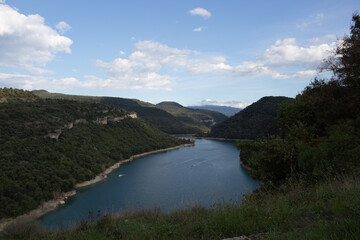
(198, 175)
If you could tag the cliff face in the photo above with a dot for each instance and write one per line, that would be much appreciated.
(101, 121)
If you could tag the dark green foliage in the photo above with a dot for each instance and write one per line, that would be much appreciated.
(320, 130)
(253, 121)
(346, 60)
(34, 169)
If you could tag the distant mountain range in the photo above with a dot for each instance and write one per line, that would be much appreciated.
(192, 116)
(169, 117)
(255, 120)
(227, 111)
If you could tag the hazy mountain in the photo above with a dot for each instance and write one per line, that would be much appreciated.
(205, 118)
(227, 111)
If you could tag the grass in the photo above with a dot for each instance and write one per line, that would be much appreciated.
(327, 210)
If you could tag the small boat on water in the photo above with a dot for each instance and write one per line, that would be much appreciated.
(120, 175)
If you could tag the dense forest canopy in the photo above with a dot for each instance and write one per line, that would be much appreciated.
(35, 168)
(321, 128)
(252, 122)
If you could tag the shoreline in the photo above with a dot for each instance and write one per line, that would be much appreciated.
(221, 139)
(104, 174)
(51, 205)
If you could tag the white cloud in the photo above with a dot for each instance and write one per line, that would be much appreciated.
(26, 42)
(200, 12)
(288, 52)
(62, 27)
(323, 38)
(199, 29)
(314, 19)
(319, 16)
(235, 104)
(299, 74)
(142, 68)
(2, 1)
(122, 52)
(251, 69)
(145, 66)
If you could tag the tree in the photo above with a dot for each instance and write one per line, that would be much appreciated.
(346, 61)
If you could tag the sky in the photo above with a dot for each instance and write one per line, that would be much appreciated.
(190, 51)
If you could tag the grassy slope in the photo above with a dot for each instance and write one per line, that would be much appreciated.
(327, 210)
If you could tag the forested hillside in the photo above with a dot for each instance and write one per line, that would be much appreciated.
(150, 113)
(47, 146)
(200, 117)
(252, 122)
(321, 128)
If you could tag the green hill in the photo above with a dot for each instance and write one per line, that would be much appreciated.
(16, 95)
(147, 111)
(200, 117)
(49, 145)
(253, 121)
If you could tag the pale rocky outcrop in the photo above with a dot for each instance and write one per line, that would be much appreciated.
(3, 100)
(55, 135)
(132, 115)
(81, 120)
(69, 125)
(102, 121)
(116, 119)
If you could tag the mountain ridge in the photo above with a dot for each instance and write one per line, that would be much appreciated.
(253, 121)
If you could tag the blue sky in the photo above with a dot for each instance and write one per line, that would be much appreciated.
(192, 52)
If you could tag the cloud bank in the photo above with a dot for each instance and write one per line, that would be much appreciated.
(153, 65)
(145, 66)
(26, 42)
(235, 104)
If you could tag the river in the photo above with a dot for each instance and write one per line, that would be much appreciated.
(202, 174)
